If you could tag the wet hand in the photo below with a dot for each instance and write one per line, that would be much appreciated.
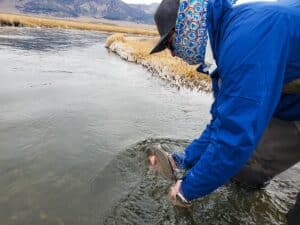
(174, 198)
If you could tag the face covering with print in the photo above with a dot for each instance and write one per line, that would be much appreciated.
(191, 34)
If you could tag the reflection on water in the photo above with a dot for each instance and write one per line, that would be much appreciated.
(69, 110)
(44, 39)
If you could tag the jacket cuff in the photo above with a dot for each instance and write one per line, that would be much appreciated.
(184, 192)
(179, 160)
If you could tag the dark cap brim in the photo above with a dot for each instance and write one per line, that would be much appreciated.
(161, 45)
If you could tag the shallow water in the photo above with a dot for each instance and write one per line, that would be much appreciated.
(75, 125)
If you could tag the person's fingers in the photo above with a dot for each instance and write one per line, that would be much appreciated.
(172, 194)
(173, 191)
(178, 185)
(173, 201)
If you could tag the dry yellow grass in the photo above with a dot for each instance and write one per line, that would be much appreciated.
(29, 21)
(114, 38)
(136, 49)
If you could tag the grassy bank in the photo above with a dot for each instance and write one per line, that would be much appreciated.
(172, 69)
(29, 21)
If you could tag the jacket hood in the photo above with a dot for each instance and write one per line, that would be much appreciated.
(215, 12)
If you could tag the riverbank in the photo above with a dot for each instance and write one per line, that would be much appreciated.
(7, 19)
(171, 69)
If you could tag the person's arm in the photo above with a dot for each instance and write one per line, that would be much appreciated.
(252, 72)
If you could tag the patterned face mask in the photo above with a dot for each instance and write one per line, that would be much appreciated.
(191, 31)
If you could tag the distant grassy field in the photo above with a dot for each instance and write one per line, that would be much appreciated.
(30, 21)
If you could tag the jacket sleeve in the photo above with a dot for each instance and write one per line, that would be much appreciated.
(251, 68)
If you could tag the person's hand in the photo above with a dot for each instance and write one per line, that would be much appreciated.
(174, 197)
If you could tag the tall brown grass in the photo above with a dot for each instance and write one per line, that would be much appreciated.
(29, 21)
(137, 49)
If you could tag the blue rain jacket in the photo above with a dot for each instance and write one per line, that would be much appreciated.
(257, 50)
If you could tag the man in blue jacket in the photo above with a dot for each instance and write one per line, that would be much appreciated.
(254, 133)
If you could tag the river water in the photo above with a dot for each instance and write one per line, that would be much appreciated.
(75, 123)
